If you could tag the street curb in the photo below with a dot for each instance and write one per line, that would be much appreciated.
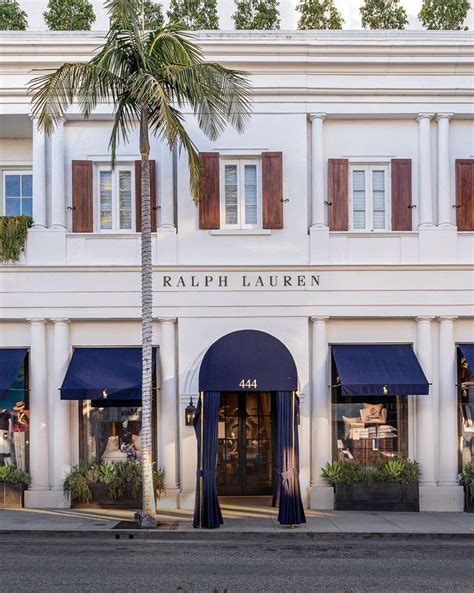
(220, 536)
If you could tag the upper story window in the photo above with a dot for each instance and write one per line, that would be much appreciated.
(18, 192)
(241, 194)
(369, 198)
(115, 199)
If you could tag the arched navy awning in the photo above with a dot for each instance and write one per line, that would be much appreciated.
(10, 361)
(248, 358)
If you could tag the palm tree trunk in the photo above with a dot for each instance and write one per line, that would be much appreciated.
(148, 515)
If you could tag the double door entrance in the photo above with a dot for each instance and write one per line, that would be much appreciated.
(245, 446)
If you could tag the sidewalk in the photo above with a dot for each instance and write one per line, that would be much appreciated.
(245, 521)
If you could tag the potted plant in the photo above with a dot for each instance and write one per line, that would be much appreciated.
(467, 479)
(392, 485)
(13, 483)
(109, 485)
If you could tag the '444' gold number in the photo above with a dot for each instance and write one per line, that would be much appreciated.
(249, 384)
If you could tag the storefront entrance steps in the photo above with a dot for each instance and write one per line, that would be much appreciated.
(46, 499)
(170, 499)
(321, 497)
(441, 498)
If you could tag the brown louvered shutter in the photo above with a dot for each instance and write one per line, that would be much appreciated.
(138, 195)
(401, 195)
(82, 197)
(465, 194)
(272, 190)
(209, 204)
(338, 194)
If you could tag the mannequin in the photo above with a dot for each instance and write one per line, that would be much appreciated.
(20, 424)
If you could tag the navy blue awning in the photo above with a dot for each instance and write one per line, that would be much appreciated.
(249, 359)
(115, 371)
(377, 370)
(10, 361)
(467, 350)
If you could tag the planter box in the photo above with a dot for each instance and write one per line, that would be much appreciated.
(380, 496)
(11, 495)
(101, 501)
(468, 502)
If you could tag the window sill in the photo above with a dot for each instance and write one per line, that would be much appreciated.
(245, 232)
(375, 233)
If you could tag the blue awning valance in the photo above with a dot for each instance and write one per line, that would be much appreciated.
(377, 370)
(113, 372)
(248, 359)
(467, 350)
(10, 361)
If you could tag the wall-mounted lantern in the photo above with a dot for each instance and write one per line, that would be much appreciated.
(190, 412)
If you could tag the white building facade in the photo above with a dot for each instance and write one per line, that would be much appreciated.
(344, 215)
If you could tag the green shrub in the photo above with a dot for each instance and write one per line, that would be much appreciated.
(349, 471)
(117, 476)
(13, 233)
(467, 478)
(10, 474)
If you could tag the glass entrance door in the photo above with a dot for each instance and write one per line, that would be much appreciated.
(244, 460)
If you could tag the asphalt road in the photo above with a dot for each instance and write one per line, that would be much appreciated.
(82, 565)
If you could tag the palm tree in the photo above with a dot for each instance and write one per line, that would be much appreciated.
(149, 76)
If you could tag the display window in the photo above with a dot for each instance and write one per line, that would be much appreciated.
(368, 429)
(15, 422)
(466, 412)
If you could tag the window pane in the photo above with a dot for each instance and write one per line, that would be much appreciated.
(378, 198)
(125, 199)
(27, 186)
(358, 199)
(250, 194)
(27, 207)
(12, 207)
(105, 199)
(12, 186)
(230, 196)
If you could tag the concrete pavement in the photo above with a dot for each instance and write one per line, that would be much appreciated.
(244, 519)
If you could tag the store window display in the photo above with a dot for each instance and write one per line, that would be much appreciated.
(110, 433)
(366, 428)
(15, 422)
(466, 411)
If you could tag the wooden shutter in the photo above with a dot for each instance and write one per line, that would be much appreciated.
(209, 203)
(338, 194)
(82, 197)
(138, 195)
(401, 195)
(272, 190)
(465, 194)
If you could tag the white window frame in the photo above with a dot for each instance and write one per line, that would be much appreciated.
(369, 212)
(4, 185)
(115, 198)
(240, 164)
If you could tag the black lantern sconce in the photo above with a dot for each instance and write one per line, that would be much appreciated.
(190, 412)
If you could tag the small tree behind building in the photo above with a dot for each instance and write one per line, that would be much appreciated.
(444, 14)
(257, 14)
(383, 14)
(153, 15)
(194, 14)
(69, 15)
(12, 17)
(319, 14)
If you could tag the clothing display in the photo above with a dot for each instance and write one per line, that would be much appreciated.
(14, 423)
(19, 444)
(112, 453)
(4, 419)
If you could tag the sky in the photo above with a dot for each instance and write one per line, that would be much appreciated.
(288, 14)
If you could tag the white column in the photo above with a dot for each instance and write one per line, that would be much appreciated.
(38, 446)
(321, 493)
(317, 170)
(168, 425)
(448, 429)
(425, 450)
(425, 206)
(60, 410)
(39, 176)
(58, 198)
(444, 185)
